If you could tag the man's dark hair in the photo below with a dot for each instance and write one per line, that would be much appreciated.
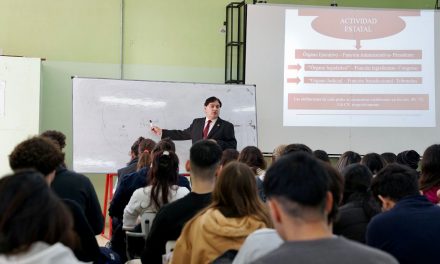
(57, 136)
(395, 181)
(291, 148)
(39, 153)
(205, 157)
(297, 178)
(212, 99)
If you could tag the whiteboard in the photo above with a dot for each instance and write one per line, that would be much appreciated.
(19, 104)
(109, 115)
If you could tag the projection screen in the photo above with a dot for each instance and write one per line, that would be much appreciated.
(342, 79)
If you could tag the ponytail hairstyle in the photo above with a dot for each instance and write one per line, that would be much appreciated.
(145, 148)
(163, 174)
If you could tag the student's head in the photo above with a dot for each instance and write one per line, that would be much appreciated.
(430, 173)
(212, 107)
(336, 187)
(389, 157)
(235, 193)
(145, 148)
(31, 212)
(228, 155)
(393, 183)
(347, 158)
(38, 153)
(163, 174)
(297, 147)
(165, 144)
(252, 157)
(204, 159)
(357, 180)
(297, 187)
(57, 136)
(134, 150)
(321, 155)
(409, 158)
(373, 161)
(277, 152)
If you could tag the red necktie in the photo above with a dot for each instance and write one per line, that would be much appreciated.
(206, 129)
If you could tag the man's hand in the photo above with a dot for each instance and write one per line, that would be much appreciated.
(157, 130)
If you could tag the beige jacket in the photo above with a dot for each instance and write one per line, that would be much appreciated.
(209, 235)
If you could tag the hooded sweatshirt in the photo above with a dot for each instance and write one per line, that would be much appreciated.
(207, 236)
(42, 253)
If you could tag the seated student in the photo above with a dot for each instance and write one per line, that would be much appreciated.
(162, 189)
(297, 187)
(347, 158)
(321, 155)
(228, 155)
(409, 226)
(253, 157)
(45, 156)
(409, 158)
(358, 205)
(374, 162)
(132, 165)
(169, 221)
(128, 185)
(235, 212)
(389, 157)
(130, 182)
(430, 173)
(277, 152)
(265, 240)
(77, 187)
(35, 226)
(295, 147)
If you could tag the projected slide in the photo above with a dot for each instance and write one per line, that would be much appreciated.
(359, 68)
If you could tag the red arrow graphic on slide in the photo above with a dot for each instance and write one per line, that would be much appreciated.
(294, 67)
(293, 80)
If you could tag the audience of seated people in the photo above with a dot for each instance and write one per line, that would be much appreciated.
(35, 225)
(222, 214)
(408, 227)
(68, 184)
(430, 173)
(299, 199)
(161, 190)
(265, 240)
(132, 165)
(358, 205)
(43, 155)
(203, 165)
(235, 212)
(129, 184)
(373, 161)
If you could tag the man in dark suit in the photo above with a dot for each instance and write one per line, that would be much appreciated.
(209, 127)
